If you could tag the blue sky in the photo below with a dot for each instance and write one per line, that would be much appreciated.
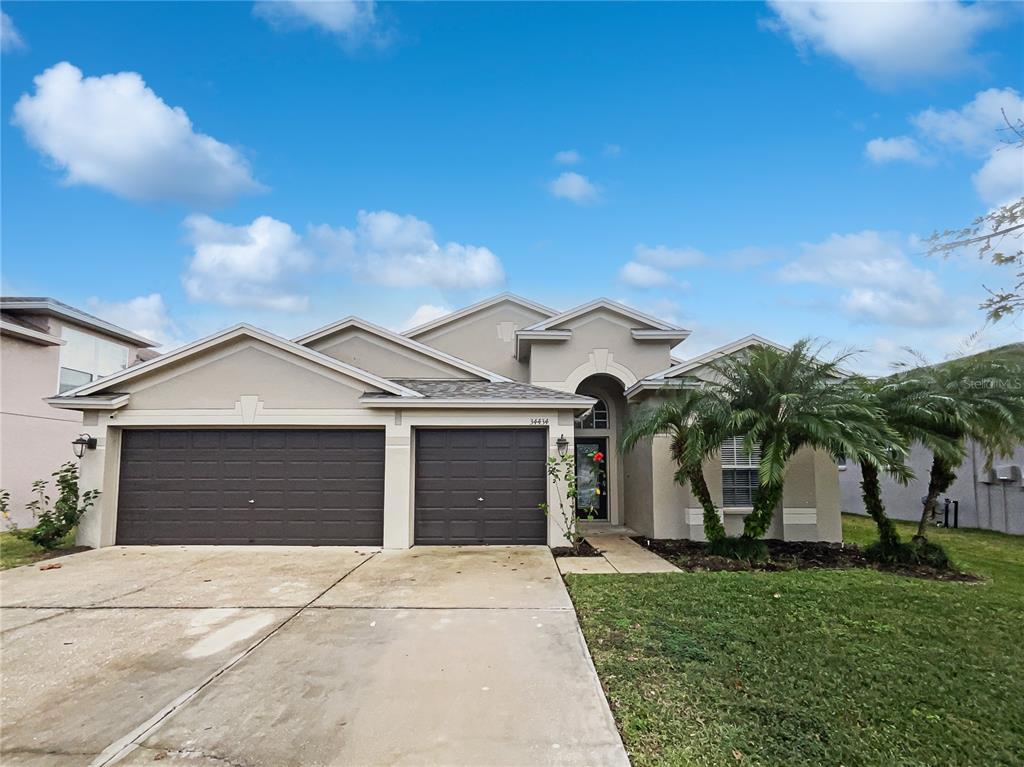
(734, 167)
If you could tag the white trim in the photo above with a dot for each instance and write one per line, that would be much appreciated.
(243, 331)
(55, 308)
(675, 336)
(598, 361)
(799, 516)
(86, 403)
(721, 351)
(485, 304)
(27, 334)
(517, 404)
(408, 343)
(648, 385)
(602, 303)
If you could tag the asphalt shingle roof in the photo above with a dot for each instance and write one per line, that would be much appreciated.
(482, 390)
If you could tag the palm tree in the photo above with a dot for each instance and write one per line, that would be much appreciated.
(783, 401)
(694, 419)
(919, 415)
(982, 399)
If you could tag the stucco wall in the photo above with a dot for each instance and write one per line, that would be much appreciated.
(384, 357)
(245, 367)
(554, 361)
(485, 338)
(990, 506)
(638, 508)
(35, 439)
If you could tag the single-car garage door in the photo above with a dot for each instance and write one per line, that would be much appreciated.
(480, 486)
(251, 486)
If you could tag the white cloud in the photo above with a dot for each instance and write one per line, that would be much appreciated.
(882, 150)
(888, 41)
(1001, 179)
(250, 265)
(568, 157)
(573, 186)
(639, 275)
(115, 133)
(145, 315)
(10, 38)
(880, 283)
(977, 129)
(352, 21)
(665, 257)
(661, 308)
(386, 248)
(612, 150)
(425, 313)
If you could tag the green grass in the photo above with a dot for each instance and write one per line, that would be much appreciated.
(816, 667)
(15, 551)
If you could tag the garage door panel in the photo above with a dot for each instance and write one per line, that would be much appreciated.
(456, 468)
(307, 486)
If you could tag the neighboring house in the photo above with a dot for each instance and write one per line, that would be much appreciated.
(47, 348)
(352, 434)
(989, 498)
(992, 499)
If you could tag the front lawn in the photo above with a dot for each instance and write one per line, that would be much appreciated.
(15, 551)
(816, 667)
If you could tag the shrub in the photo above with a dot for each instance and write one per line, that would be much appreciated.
(925, 553)
(54, 522)
(743, 548)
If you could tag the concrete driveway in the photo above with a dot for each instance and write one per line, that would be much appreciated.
(250, 656)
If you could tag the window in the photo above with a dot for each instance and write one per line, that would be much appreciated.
(85, 357)
(739, 473)
(595, 418)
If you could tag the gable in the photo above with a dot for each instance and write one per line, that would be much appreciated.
(219, 377)
(602, 306)
(383, 356)
(485, 337)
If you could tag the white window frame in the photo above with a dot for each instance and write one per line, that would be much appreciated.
(734, 459)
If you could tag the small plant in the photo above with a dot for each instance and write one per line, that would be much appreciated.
(5, 507)
(742, 548)
(563, 469)
(53, 523)
(927, 553)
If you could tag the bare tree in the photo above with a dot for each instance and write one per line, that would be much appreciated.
(996, 236)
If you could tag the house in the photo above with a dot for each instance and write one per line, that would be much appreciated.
(46, 348)
(987, 497)
(353, 434)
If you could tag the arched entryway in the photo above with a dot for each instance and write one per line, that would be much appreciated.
(599, 430)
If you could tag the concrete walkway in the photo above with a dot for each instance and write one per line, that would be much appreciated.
(278, 656)
(619, 554)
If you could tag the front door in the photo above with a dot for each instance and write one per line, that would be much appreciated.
(591, 478)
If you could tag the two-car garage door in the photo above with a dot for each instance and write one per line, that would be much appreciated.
(258, 486)
(326, 487)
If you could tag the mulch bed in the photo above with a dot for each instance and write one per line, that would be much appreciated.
(790, 555)
(585, 550)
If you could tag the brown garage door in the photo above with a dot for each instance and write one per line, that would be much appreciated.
(480, 486)
(259, 486)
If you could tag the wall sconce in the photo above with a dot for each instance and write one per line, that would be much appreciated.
(562, 444)
(83, 443)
